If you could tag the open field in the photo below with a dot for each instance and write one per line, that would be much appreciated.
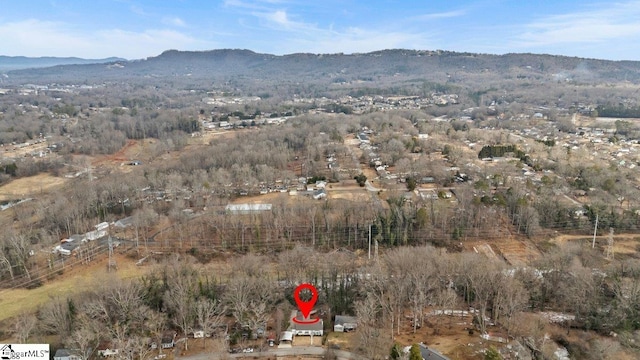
(207, 136)
(31, 186)
(14, 302)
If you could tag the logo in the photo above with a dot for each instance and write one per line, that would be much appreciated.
(24, 351)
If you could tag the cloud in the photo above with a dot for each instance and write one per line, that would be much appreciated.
(596, 25)
(279, 20)
(175, 21)
(280, 17)
(43, 38)
(442, 15)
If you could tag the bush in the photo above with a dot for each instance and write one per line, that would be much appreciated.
(361, 179)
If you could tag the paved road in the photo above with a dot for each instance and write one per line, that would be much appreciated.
(273, 352)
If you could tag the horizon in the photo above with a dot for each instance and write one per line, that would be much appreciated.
(139, 29)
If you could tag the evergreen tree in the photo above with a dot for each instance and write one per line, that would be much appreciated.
(492, 354)
(414, 353)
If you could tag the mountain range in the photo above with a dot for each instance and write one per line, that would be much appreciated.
(231, 66)
(8, 63)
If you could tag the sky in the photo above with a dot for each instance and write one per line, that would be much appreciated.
(137, 29)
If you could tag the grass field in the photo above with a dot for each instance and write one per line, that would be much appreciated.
(30, 186)
(14, 302)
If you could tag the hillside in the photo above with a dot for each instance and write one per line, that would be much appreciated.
(393, 65)
(9, 63)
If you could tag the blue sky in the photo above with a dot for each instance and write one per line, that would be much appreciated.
(136, 29)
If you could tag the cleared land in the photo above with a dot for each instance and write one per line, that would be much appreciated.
(14, 302)
(30, 186)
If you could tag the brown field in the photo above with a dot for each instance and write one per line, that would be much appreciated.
(14, 302)
(30, 186)
(207, 136)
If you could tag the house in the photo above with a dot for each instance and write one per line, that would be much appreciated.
(168, 340)
(106, 349)
(67, 354)
(319, 194)
(124, 223)
(66, 248)
(427, 180)
(302, 326)
(344, 323)
(364, 139)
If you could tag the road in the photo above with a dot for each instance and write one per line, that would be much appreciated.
(370, 187)
(275, 352)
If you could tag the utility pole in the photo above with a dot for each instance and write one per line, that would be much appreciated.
(595, 230)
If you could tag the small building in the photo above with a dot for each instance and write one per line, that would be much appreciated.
(344, 323)
(319, 194)
(363, 138)
(286, 340)
(241, 209)
(168, 340)
(124, 223)
(67, 354)
(68, 247)
(427, 180)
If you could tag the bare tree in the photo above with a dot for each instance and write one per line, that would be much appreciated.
(179, 297)
(85, 337)
(156, 324)
(55, 317)
(209, 316)
(371, 338)
(23, 327)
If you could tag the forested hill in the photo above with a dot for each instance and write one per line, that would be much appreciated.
(8, 63)
(397, 65)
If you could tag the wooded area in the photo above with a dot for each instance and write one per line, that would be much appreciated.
(400, 195)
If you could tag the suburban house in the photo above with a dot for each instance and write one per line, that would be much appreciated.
(319, 194)
(67, 247)
(106, 349)
(363, 138)
(67, 354)
(304, 326)
(124, 223)
(345, 323)
(168, 340)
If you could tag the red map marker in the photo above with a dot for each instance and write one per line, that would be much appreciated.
(305, 307)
